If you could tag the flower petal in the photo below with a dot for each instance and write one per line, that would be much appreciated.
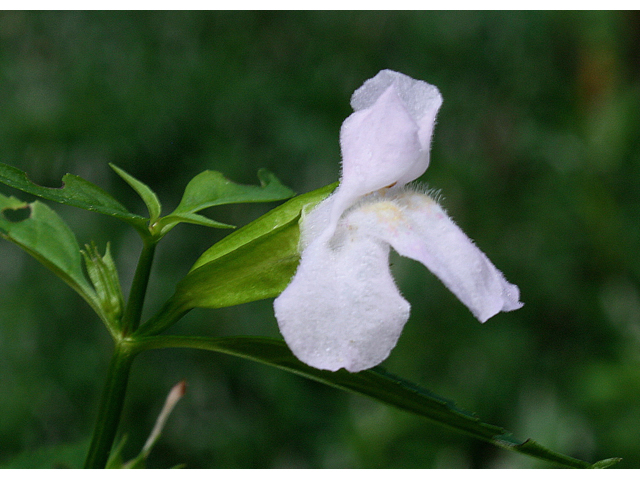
(342, 308)
(379, 144)
(421, 100)
(417, 227)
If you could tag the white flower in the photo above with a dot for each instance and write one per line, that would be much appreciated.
(342, 308)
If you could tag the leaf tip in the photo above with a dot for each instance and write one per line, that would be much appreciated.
(607, 462)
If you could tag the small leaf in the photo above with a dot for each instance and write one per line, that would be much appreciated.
(211, 188)
(46, 237)
(193, 218)
(148, 196)
(253, 263)
(607, 462)
(76, 192)
(375, 383)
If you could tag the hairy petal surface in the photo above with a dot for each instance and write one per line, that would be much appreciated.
(421, 100)
(379, 145)
(342, 308)
(418, 228)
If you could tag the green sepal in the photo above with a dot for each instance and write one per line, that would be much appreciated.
(148, 196)
(257, 270)
(75, 191)
(47, 238)
(375, 383)
(211, 188)
(104, 276)
(276, 218)
(253, 263)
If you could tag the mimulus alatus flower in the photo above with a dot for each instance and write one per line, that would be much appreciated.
(342, 308)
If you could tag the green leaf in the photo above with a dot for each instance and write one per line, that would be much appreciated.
(211, 188)
(148, 196)
(46, 237)
(195, 219)
(607, 462)
(207, 189)
(76, 192)
(374, 383)
(253, 263)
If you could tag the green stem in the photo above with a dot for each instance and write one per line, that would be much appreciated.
(111, 405)
(133, 310)
(115, 387)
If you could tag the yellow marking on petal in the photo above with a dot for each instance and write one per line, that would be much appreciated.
(386, 212)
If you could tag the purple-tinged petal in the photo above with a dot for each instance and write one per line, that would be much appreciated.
(417, 227)
(421, 100)
(379, 145)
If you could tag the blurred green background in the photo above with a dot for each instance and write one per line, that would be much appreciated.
(537, 156)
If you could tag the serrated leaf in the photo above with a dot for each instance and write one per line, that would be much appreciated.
(253, 263)
(148, 196)
(211, 188)
(375, 383)
(46, 237)
(76, 192)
